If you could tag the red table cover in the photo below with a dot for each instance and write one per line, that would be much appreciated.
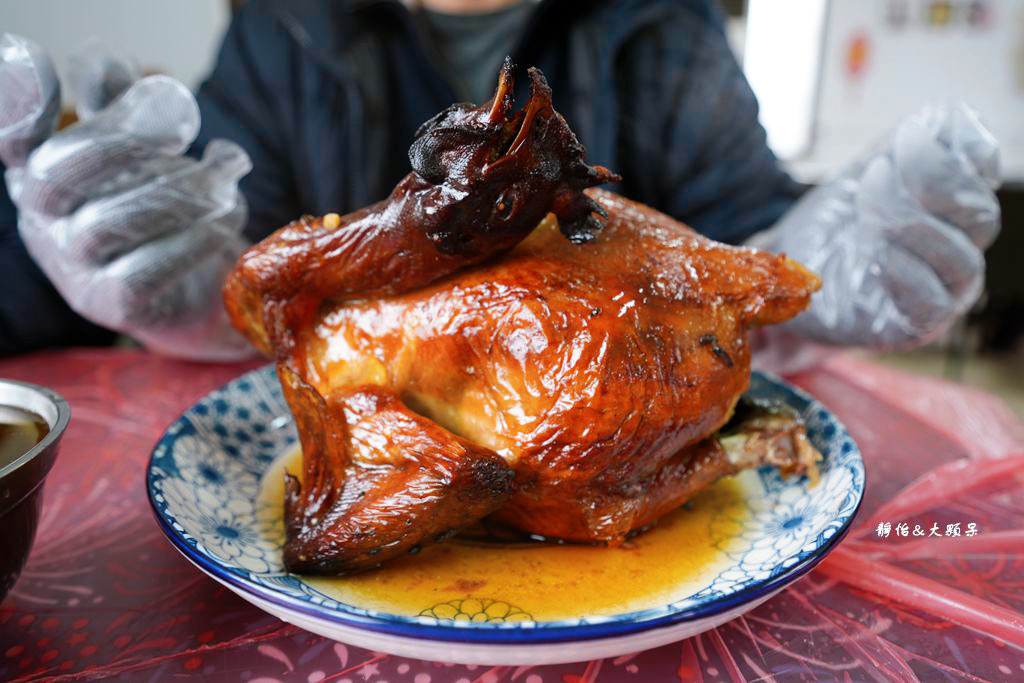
(105, 595)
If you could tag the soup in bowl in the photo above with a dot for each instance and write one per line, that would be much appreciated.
(32, 421)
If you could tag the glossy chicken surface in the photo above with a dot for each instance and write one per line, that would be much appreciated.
(555, 359)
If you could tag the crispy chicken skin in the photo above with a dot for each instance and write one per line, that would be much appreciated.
(483, 364)
(587, 368)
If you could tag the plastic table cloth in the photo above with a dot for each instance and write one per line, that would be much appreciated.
(105, 595)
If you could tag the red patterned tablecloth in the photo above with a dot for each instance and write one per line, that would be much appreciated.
(105, 595)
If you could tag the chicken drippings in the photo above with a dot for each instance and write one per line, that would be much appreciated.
(468, 579)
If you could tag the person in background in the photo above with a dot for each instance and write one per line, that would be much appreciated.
(137, 212)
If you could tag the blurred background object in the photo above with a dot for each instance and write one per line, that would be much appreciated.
(177, 38)
(846, 70)
(831, 77)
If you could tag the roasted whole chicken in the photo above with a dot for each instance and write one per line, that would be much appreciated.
(496, 339)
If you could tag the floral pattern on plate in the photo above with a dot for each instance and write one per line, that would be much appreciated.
(204, 476)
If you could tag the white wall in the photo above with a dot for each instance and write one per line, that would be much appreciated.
(831, 83)
(176, 37)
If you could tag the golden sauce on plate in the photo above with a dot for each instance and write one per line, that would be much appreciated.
(470, 579)
(20, 430)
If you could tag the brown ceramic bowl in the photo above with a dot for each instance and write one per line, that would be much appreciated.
(21, 481)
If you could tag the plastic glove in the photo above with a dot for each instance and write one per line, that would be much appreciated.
(135, 236)
(30, 97)
(96, 76)
(898, 236)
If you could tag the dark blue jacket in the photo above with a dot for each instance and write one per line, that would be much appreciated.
(325, 96)
(32, 314)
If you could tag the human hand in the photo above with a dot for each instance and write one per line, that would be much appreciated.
(134, 235)
(898, 236)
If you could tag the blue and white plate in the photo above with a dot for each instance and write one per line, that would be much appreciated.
(204, 483)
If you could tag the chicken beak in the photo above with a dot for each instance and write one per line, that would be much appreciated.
(540, 100)
(502, 102)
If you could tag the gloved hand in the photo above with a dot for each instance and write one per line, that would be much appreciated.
(898, 236)
(135, 236)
